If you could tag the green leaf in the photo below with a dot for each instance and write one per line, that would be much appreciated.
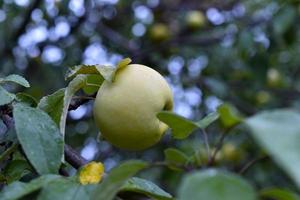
(106, 71)
(76, 84)
(279, 194)
(93, 83)
(63, 188)
(5, 97)
(145, 187)
(278, 132)
(39, 137)
(17, 189)
(229, 116)
(81, 69)
(123, 63)
(15, 79)
(175, 156)
(53, 105)
(26, 98)
(181, 127)
(116, 179)
(215, 185)
(207, 120)
(16, 169)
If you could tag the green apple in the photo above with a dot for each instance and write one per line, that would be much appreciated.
(159, 32)
(195, 19)
(125, 109)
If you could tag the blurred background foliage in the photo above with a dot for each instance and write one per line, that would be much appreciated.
(211, 51)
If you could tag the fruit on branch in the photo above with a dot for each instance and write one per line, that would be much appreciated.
(125, 109)
(195, 19)
(159, 32)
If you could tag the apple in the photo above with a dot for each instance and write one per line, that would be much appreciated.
(125, 109)
(159, 32)
(195, 19)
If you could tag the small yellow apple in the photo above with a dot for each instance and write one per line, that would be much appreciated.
(159, 32)
(125, 109)
(195, 19)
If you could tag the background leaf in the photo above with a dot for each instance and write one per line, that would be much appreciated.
(175, 156)
(39, 137)
(229, 116)
(26, 98)
(278, 133)
(215, 185)
(207, 120)
(278, 194)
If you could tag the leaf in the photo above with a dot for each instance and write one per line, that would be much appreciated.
(53, 105)
(278, 132)
(175, 156)
(19, 189)
(39, 137)
(76, 84)
(116, 179)
(16, 169)
(145, 187)
(81, 69)
(181, 127)
(207, 120)
(107, 71)
(123, 63)
(279, 194)
(5, 97)
(91, 173)
(93, 83)
(215, 185)
(26, 98)
(63, 188)
(229, 116)
(15, 79)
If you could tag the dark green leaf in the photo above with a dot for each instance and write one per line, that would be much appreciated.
(18, 189)
(16, 169)
(116, 179)
(229, 116)
(65, 189)
(175, 156)
(15, 79)
(5, 97)
(145, 187)
(26, 98)
(53, 105)
(39, 137)
(181, 127)
(215, 185)
(207, 120)
(279, 194)
(81, 69)
(278, 132)
(93, 83)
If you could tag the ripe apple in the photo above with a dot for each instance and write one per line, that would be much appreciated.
(195, 19)
(125, 109)
(159, 32)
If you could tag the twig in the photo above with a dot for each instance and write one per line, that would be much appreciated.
(251, 163)
(218, 147)
(73, 158)
(206, 144)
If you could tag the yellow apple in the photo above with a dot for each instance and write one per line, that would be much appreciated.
(125, 109)
(159, 32)
(195, 19)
